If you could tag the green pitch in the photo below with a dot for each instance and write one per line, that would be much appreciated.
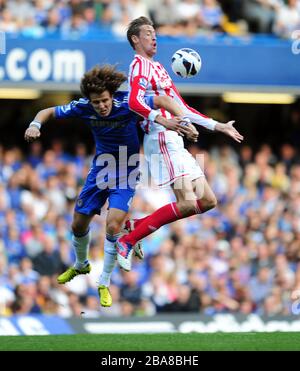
(155, 342)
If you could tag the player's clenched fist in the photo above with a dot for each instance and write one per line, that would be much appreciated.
(32, 133)
(189, 131)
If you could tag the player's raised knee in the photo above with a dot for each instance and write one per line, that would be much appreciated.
(186, 207)
(211, 202)
(113, 227)
(206, 204)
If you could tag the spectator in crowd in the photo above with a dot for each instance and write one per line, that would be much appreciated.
(211, 15)
(287, 19)
(261, 14)
(70, 19)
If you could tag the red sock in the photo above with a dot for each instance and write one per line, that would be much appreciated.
(199, 210)
(137, 222)
(199, 207)
(165, 215)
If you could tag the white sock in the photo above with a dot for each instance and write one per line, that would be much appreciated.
(81, 247)
(110, 254)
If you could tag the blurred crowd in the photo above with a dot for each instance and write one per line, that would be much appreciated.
(77, 19)
(241, 257)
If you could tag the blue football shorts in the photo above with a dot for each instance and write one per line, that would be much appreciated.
(92, 197)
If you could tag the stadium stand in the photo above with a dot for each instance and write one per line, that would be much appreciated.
(241, 257)
(72, 19)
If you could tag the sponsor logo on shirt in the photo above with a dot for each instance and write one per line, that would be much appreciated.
(109, 124)
(65, 108)
(116, 122)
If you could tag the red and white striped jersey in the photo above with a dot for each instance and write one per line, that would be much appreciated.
(151, 79)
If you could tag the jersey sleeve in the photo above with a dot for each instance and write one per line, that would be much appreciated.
(195, 116)
(150, 102)
(139, 77)
(73, 109)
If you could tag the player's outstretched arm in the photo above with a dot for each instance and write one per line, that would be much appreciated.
(229, 130)
(33, 131)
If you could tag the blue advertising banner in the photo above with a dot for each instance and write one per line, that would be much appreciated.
(34, 325)
(250, 63)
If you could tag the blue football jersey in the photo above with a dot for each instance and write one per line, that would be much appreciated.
(110, 132)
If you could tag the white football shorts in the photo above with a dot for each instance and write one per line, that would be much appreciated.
(167, 158)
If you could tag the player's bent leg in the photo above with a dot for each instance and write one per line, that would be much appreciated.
(80, 242)
(115, 219)
(81, 238)
(187, 204)
(185, 196)
(206, 199)
(81, 222)
(119, 202)
(194, 197)
(165, 215)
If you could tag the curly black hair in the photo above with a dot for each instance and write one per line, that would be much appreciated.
(101, 78)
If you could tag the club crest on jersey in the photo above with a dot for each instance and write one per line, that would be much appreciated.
(165, 82)
(143, 83)
(79, 202)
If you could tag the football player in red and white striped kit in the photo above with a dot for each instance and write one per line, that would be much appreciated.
(175, 165)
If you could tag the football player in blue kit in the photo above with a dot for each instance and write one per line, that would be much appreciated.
(105, 110)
